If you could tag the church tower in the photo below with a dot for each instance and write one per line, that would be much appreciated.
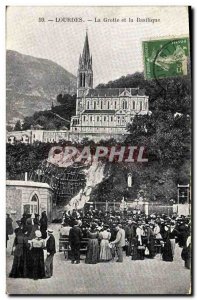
(85, 73)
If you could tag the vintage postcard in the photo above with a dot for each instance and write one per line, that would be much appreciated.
(98, 163)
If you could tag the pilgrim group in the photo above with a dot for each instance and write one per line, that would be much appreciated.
(110, 236)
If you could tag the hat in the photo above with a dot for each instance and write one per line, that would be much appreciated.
(106, 226)
(50, 230)
(38, 233)
(119, 225)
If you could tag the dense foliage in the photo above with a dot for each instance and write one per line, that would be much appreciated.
(57, 118)
(165, 132)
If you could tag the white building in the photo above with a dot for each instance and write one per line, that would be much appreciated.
(107, 110)
(31, 136)
(28, 197)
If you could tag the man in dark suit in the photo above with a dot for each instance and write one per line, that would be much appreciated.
(130, 234)
(75, 236)
(51, 250)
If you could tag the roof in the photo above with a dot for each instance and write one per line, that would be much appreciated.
(115, 92)
(27, 184)
(37, 126)
(94, 111)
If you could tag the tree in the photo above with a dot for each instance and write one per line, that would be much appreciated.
(66, 98)
(18, 126)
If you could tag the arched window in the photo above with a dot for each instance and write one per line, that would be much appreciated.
(108, 105)
(32, 207)
(124, 105)
(84, 80)
(80, 77)
(94, 104)
(101, 104)
(133, 104)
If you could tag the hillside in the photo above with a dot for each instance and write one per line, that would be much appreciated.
(33, 83)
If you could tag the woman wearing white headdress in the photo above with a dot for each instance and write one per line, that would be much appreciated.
(37, 256)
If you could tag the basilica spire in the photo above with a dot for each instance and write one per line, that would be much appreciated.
(86, 50)
(85, 73)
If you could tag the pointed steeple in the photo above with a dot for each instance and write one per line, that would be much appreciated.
(86, 51)
(85, 73)
(80, 60)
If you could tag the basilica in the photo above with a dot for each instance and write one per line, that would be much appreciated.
(105, 111)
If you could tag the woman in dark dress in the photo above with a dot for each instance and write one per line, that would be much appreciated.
(167, 249)
(37, 256)
(43, 224)
(19, 266)
(183, 234)
(92, 256)
(186, 253)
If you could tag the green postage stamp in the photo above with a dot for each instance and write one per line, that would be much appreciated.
(165, 57)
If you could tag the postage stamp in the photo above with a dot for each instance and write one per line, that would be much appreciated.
(165, 57)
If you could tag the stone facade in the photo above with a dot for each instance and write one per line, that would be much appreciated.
(29, 197)
(108, 114)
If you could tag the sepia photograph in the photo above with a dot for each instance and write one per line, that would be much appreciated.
(98, 150)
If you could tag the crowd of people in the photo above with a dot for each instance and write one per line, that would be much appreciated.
(110, 233)
(32, 236)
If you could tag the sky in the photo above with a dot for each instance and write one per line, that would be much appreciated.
(116, 47)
